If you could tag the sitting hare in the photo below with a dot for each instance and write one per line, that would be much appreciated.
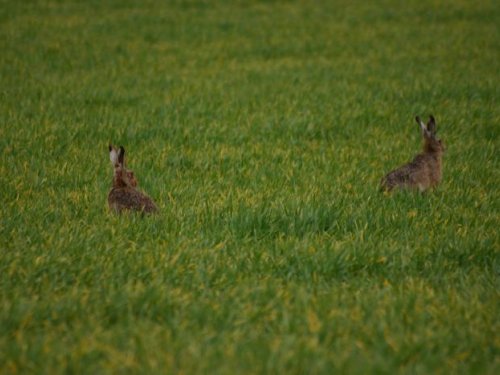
(124, 194)
(424, 171)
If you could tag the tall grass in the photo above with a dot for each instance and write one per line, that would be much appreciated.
(262, 130)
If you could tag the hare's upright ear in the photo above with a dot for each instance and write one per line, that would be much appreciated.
(422, 126)
(431, 125)
(113, 155)
(121, 156)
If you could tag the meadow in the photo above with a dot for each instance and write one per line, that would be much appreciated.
(262, 130)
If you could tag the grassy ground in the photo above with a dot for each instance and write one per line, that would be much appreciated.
(262, 130)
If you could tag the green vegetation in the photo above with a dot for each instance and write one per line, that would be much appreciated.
(262, 130)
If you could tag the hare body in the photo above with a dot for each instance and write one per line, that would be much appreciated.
(124, 194)
(125, 198)
(422, 173)
(425, 170)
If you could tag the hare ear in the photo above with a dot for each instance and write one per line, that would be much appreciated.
(113, 155)
(121, 156)
(422, 125)
(431, 125)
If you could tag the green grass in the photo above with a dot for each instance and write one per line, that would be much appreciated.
(262, 130)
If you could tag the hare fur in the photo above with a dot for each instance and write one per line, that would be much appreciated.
(425, 170)
(124, 194)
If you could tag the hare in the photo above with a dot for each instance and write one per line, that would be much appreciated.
(424, 171)
(124, 194)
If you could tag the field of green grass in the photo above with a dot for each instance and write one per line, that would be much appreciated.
(262, 130)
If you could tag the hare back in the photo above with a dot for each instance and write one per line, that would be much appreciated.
(422, 173)
(120, 199)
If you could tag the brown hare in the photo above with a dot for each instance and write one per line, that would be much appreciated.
(124, 194)
(424, 171)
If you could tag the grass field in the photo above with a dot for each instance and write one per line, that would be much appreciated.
(262, 130)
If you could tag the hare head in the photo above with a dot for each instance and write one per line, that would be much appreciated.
(431, 143)
(122, 176)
